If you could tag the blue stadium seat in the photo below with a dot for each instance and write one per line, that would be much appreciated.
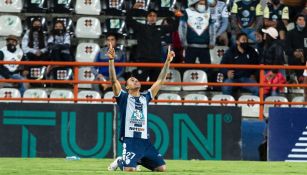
(36, 6)
(62, 6)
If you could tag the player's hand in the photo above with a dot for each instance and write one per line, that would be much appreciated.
(170, 54)
(111, 52)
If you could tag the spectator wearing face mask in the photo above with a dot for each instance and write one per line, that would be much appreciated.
(276, 15)
(241, 53)
(297, 44)
(34, 42)
(11, 53)
(197, 32)
(246, 17)
(59, 43)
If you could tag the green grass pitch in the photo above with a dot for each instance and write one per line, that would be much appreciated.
(55, 166)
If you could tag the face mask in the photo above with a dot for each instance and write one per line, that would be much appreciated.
(211, 2)
(36, 28)
(58, 31)
(244, 46)
(201, 8)
(11, 47)
(275, 2)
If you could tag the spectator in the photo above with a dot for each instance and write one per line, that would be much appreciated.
(241, 53)
(304, 12)
(276, 15)
(34, 42)
(246, 17)
(197, 32)
(273, 77)
(220, 16)
(297, 44)
(271, 50)
(102, 73)
(173, 40)
(59, 43)
(12, 53)
(149, 48)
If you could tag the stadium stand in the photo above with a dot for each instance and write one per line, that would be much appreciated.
(35, 94)
(10, 93)
(63, 94)
(221, 97)
(86, 7)
(89, 95)
(298, 99)
(249, 110)
(10, 25)
(88, 27)
(169, 96)
(195, 76)
(196, 97)
(172, 76)
(14, 6)
(274, 99)
(108, 95)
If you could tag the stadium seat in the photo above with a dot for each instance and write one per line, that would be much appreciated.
(64, 94)
(2, 42)
(113, 7)
(195, 76)
(169, 96)
(249, 110)
(298, 99)
(165, 7)
(85, 74)
(10, 25)
(89, 95)
(62, 6)
(68, 23)
(36, 6)
(274, 99)
(62, 73)
(14, 6)
(29, 20)
(35, 93)
(88, 7)
(37, 72)
(108, 95)
(217, 53)
(221, 97)
(87, 52)
(172, 76)
(10, 93)
(88, 27)
(114, 25)
(196, 97)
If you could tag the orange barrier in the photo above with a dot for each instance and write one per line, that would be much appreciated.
(75, 82)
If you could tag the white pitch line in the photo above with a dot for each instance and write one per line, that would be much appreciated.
(295, 160)
(301, 144)
(302, 139)
(297, 155)
(299, 150)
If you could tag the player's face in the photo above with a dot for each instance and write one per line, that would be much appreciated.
(152, 18)
(133, 84)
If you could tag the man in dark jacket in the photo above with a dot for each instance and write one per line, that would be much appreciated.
(149, 48)
(297, 44)
(241, 53)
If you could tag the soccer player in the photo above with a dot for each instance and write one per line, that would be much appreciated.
(133, 105)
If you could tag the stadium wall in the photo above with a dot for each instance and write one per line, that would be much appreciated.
(88, 130)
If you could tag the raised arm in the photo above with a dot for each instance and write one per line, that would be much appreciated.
(115, 83)
(157, 85)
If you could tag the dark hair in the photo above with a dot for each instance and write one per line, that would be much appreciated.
(240, 35)
(298, 16)
(115, 35)
(151, 11)
(56, 22)
(41, 36)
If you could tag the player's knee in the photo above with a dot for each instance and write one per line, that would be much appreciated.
(129, 169)
(161, 168)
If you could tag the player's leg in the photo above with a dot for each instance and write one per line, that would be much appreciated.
(152, 160)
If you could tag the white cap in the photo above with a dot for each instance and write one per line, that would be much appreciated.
(191, 2)
(271, 31)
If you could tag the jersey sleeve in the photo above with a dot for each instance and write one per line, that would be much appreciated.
(266, 13)
(259, 10)
(148, 96)
(121, 97)
(234, 8)
(285, 13)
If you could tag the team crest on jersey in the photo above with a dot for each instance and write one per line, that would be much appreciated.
(199, 22)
